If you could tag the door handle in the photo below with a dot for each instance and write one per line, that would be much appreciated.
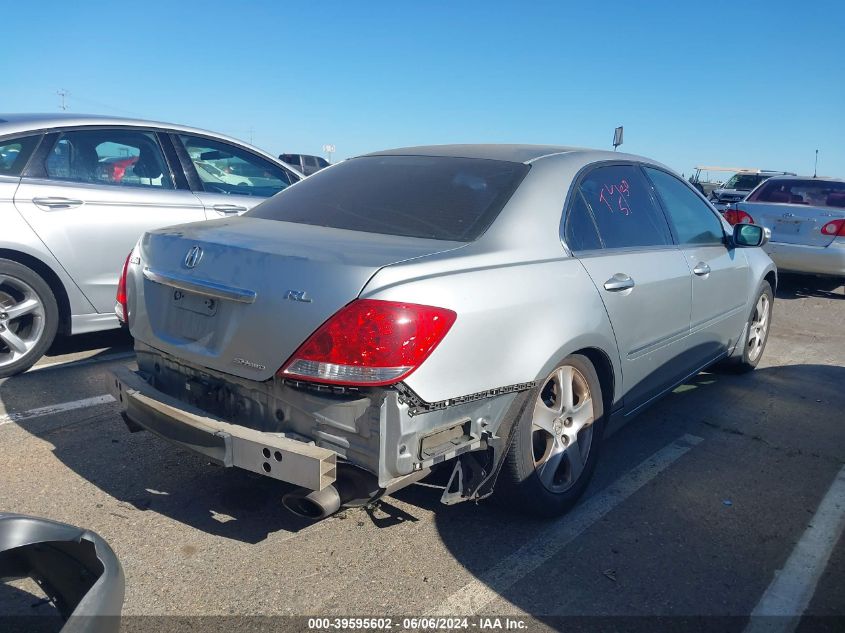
(228, 208)
(56, 203)
(619, 281)
(701, 269)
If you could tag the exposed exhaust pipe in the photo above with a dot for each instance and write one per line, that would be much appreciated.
(313, 504)
(353, 487)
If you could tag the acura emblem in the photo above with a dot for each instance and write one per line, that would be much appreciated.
(193, 257)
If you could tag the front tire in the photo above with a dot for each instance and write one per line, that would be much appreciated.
(556, 442)
(29, 317)
(759, 324)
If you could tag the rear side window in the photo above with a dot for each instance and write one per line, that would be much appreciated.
(812, 192)
(14, 153)
(126, 158)
(692, 218)
(581, 233)
(434, 197)
(624, 211)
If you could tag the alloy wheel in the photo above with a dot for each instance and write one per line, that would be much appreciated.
(561, 429)
(759, 327)
(22, 319)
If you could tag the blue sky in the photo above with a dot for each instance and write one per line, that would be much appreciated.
(756, 84)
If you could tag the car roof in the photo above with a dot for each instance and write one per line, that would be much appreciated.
(794, 177)
(517, 153)
(34, 122)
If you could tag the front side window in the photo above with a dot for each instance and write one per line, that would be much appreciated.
(812, 192)
(691, 217)
(625, 213)
(226, 168)
(14, 153)
(128, 158)
(433, 197)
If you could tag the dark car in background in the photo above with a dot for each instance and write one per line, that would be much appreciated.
(304, 163)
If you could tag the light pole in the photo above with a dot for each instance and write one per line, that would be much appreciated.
(329, 149)
(63, 93)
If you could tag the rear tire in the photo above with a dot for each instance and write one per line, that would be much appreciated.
(29, 317)
(542, 474)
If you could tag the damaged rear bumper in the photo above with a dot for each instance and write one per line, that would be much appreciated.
(308, 435)
(224, 443)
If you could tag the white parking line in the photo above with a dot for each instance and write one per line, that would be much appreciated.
(81, 362)
(55, 408)
(793, 587)
(472, 597)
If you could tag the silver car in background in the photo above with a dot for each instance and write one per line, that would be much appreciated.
(806, 217)
(77, 191)
(496, 309)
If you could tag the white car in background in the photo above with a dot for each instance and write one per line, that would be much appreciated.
(77, 191)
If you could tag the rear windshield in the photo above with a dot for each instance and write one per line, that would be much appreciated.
(434, 197)
(816, 193)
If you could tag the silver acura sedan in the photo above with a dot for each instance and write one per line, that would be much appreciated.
(77, 191)
(499, 308)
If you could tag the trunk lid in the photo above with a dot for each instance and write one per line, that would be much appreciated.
(793, 223)
(258, 289)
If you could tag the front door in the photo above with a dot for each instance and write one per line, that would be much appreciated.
(230, 179)
(721, 276)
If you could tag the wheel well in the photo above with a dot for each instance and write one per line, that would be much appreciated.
(772, 278)
(604, 370)
(47, 274)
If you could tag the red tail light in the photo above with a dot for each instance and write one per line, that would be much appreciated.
(121, 307)
(370, 342)
(834, 228)
(736, 216)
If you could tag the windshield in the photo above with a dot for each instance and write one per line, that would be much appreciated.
(431, 197)
(744, 182)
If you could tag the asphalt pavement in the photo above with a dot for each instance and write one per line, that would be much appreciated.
(695, 508)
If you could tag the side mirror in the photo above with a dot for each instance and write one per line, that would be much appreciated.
(747, 235)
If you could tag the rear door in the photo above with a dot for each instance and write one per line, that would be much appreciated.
(227, 178)
(90, 194)
(721, 276)
(623, 241)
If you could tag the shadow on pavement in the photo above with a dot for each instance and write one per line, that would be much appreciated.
(110, 341)
(791, 286)
(142, 472)
(755, 414)
(145, 473)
